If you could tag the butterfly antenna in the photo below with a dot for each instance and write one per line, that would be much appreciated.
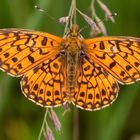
(48, 15)
(43, 11)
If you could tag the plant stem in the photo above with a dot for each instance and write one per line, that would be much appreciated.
(74, 12)
(76, 124)
(43, 124)
(72, 16)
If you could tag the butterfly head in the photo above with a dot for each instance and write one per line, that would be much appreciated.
(74, 31)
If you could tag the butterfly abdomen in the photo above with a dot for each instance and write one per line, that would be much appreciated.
(71, 74)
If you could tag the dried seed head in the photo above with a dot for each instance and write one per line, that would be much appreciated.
(49, 134)
(108, 13)
(94, 32)
(94, 28)
(101, 26)
(87, 18)
(55, 120)
(63, 20)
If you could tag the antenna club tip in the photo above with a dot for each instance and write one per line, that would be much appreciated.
(36, 6)
(114, 14)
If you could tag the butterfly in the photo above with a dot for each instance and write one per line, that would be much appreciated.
(58, 71)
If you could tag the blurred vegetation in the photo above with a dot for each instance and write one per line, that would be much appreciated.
(20, 119)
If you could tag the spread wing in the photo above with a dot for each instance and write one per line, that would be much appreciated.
(95, 87)
(45, 84)
(23, 50)
(119, 56)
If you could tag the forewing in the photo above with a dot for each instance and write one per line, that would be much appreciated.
(44, 85)
(95, 88)
(22, 50)
(119, 56)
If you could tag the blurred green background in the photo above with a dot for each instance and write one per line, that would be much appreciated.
(21, 119)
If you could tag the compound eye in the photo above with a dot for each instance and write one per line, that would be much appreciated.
(82, 54)
(63, 53)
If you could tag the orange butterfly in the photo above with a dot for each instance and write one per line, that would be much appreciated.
(58, 70)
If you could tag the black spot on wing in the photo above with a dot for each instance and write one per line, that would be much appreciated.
(30, 58)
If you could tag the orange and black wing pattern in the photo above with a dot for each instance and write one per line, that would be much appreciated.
(37, 57)
(44, 84)
(119, 56)
(34, 55)
(23, 50)
(96, 88)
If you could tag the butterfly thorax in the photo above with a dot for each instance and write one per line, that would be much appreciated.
(73, 42)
